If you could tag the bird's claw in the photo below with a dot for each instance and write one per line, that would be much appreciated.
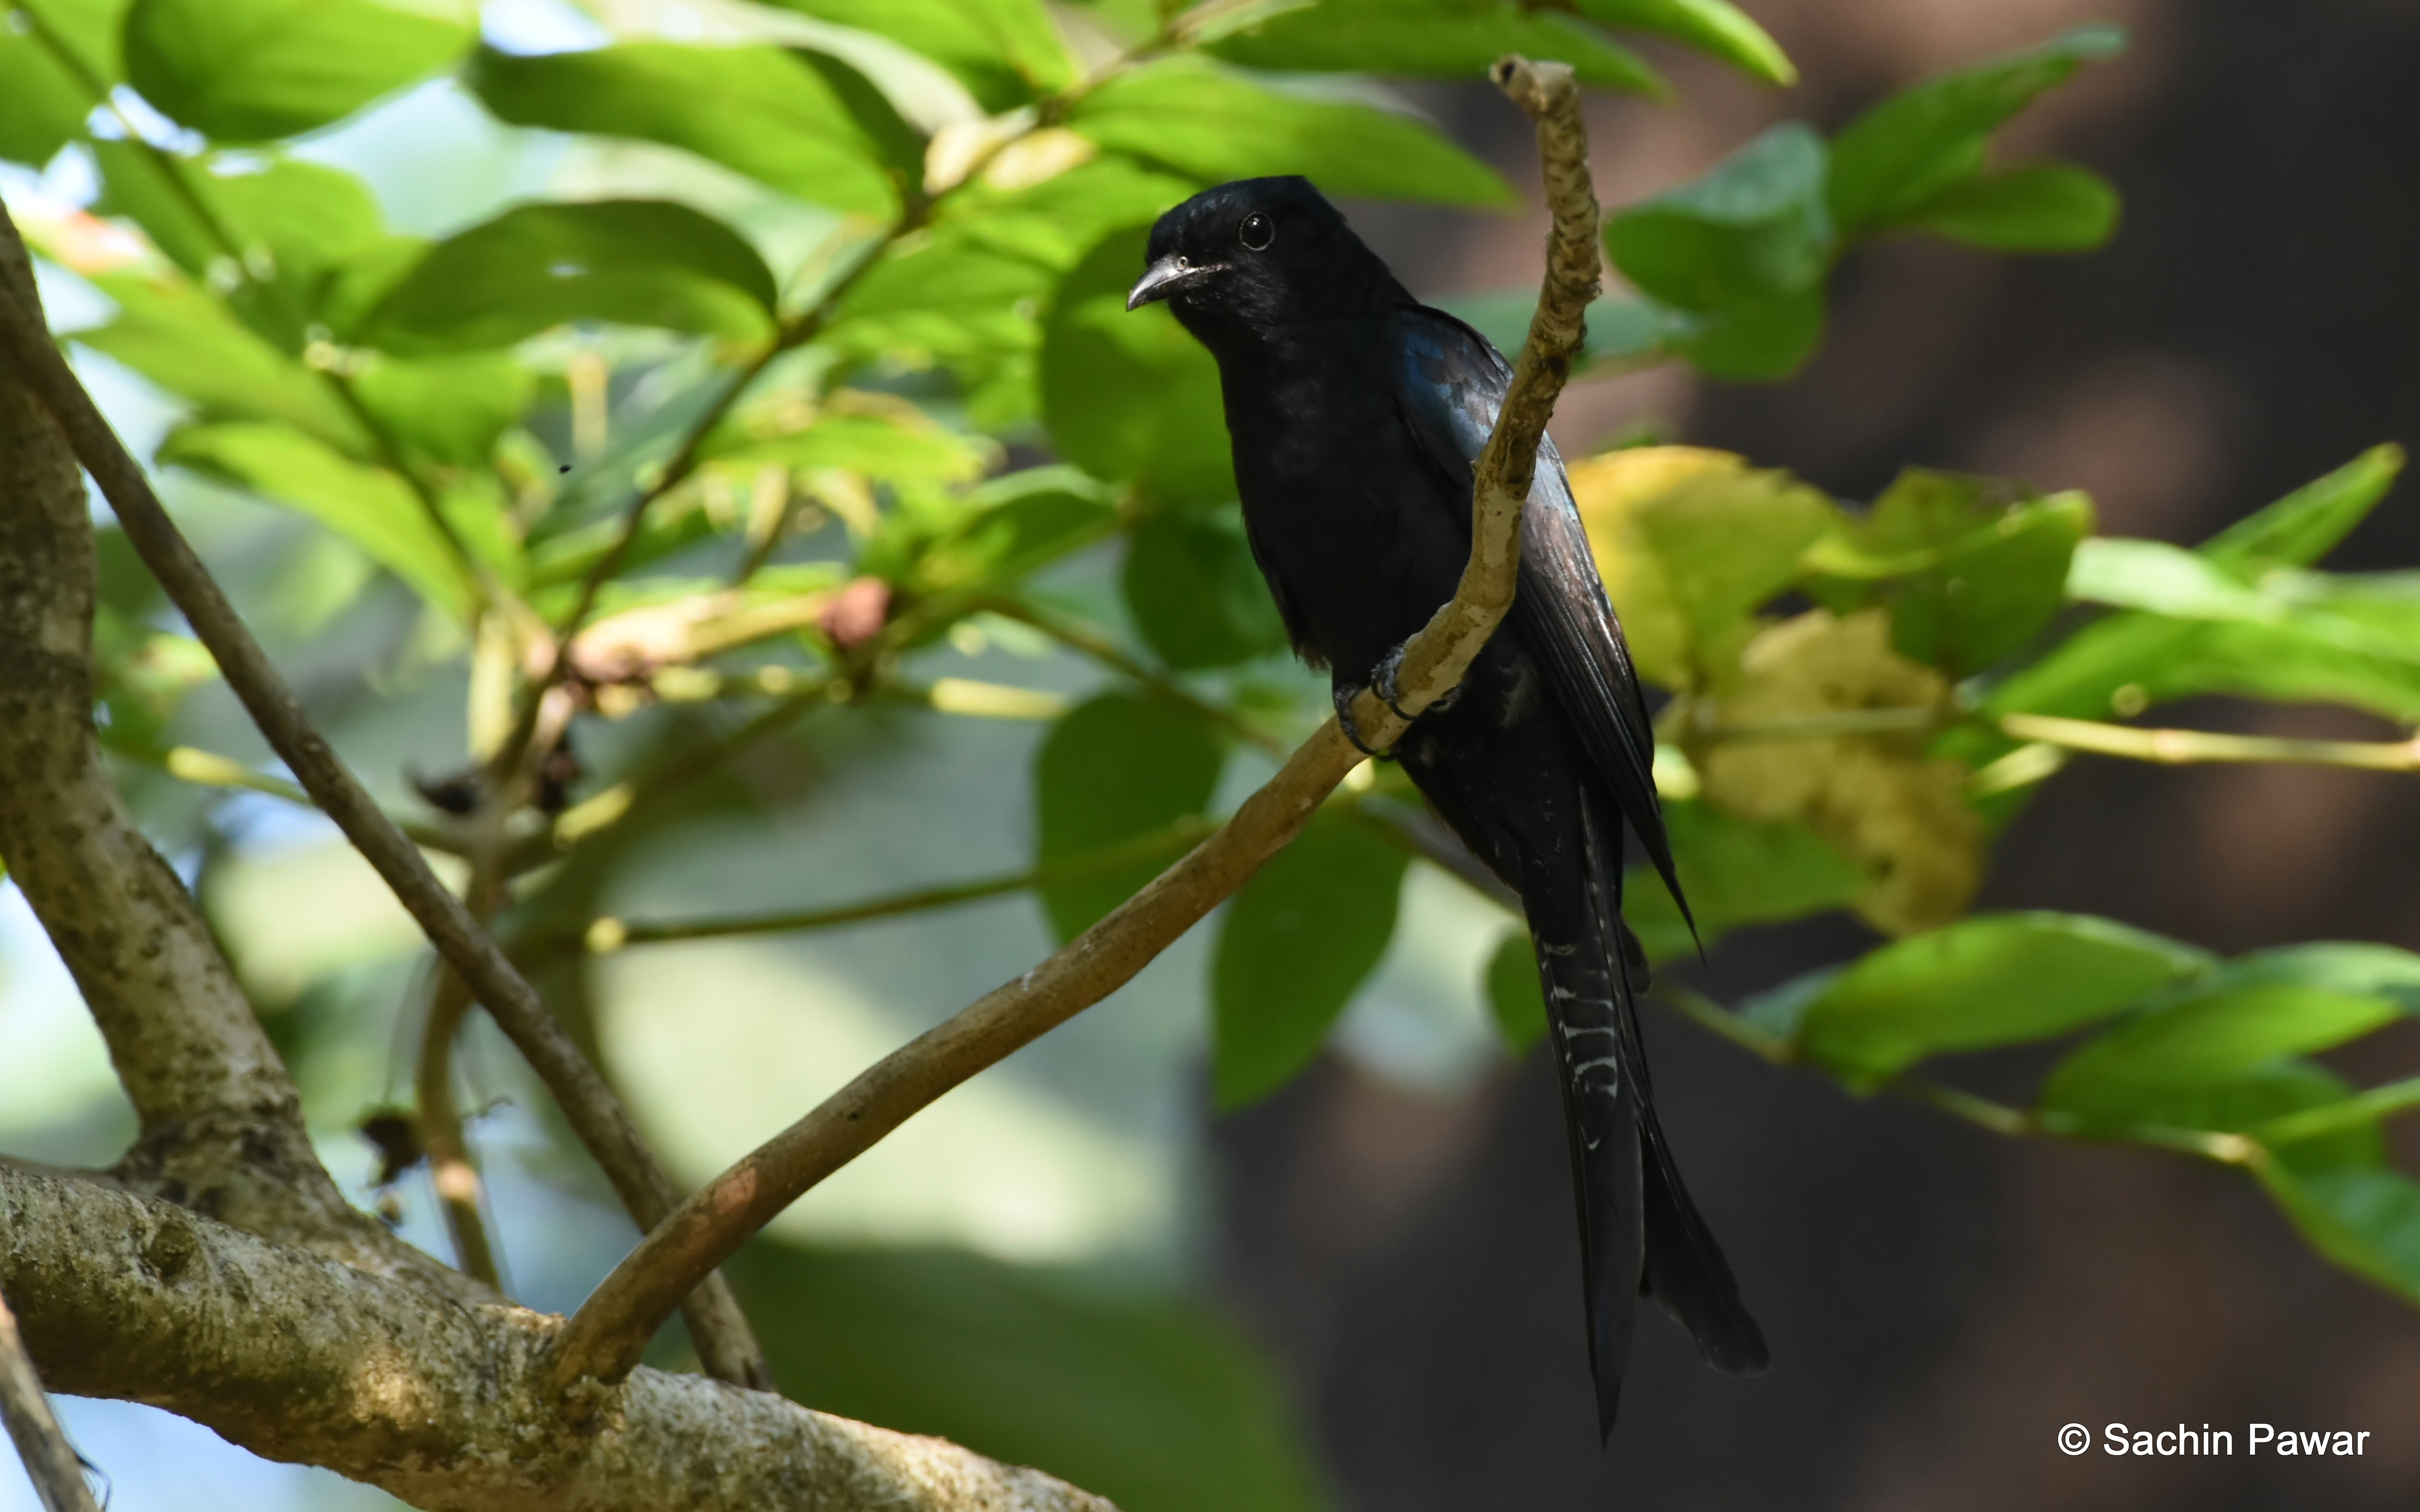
(1383, 680)
(1344, 693)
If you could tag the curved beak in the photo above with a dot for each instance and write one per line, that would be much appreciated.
(1165, 277)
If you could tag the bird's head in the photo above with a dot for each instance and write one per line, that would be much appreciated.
(1248, 258)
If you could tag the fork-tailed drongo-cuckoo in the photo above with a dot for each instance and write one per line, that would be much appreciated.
(1357, 414)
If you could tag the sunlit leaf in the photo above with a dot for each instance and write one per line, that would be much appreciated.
(2005, 979)
(2291, 1001)
(1005, 51)
(189, 344)
(2048, 207)
(1297, 943)
(1215, 126)
(247, 71)
(1714, 27)
(2367, 1220)
(1752, 229)
(1114, 769)
(1898, 157)
(1880, 799)
(44, 98)
(1432, 38)
(805, 125)
(448, 409)
(1017, 524)
(1970, 573)
(1691, 543)
(369, 506)
(2302, 527)
(629, 262)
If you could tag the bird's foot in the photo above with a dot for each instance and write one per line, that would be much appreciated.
(1383, 680)
(1343, 694)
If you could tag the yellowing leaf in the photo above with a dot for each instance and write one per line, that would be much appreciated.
(1902, 816)
(1690, 543)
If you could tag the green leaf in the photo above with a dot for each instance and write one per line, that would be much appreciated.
(630, 262)
(182, 339)
(1714, 27)
(783, 118)
(1898, 157)
(1132, 397)
(1149, 1400)
(1005, 51)
(1114, 769)
(1214, 126)
(1433, 40)
(1015, 524)
(1514, 994)
(1756, 340)
(1193, 589)
(44, 98)
(2162, 579)
(248, 71)
(2048, 207)
(2306, 525)
(1691, 543)
(1999, 979)
(2242, 1102)
(1970, 577)
(1297, 943)
(2256, 1009)
(288, 221)
(1736, 872)
(2367, 1220)
(368, 507)
(448, 409)
(1751, 230)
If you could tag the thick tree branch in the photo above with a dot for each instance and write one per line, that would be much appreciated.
(438, 1402)
(606, 1335)
(50, 1462)
(222, 1127)
(595, 1115)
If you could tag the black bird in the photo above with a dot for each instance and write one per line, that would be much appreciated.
(1356, 414)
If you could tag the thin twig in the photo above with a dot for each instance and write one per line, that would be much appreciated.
(608, 934)
(1088, 640)
(2366, 1107)
(603, 1339)
(460, 1195)
(595, 1113)
(207, 768)
(51, 1462)
(2178, 748)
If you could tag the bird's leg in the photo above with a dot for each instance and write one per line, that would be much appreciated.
(1344, 693)
(1383, 676)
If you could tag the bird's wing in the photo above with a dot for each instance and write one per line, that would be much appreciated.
(1451, 384)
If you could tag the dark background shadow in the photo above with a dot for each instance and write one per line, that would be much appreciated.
(1940, 1300)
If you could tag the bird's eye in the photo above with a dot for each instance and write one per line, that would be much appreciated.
(1257, 232)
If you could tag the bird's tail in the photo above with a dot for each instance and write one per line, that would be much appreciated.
(1639, 1233)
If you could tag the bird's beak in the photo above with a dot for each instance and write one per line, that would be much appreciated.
(1165, 277)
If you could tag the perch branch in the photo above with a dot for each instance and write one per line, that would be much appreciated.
(595, 1115)
(605, 1337)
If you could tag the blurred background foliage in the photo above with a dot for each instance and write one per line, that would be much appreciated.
(770, 364)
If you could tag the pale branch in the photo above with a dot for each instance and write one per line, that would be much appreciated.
(51, 1462)
(440, 1402)
(604, 1338)
(595, 1113)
